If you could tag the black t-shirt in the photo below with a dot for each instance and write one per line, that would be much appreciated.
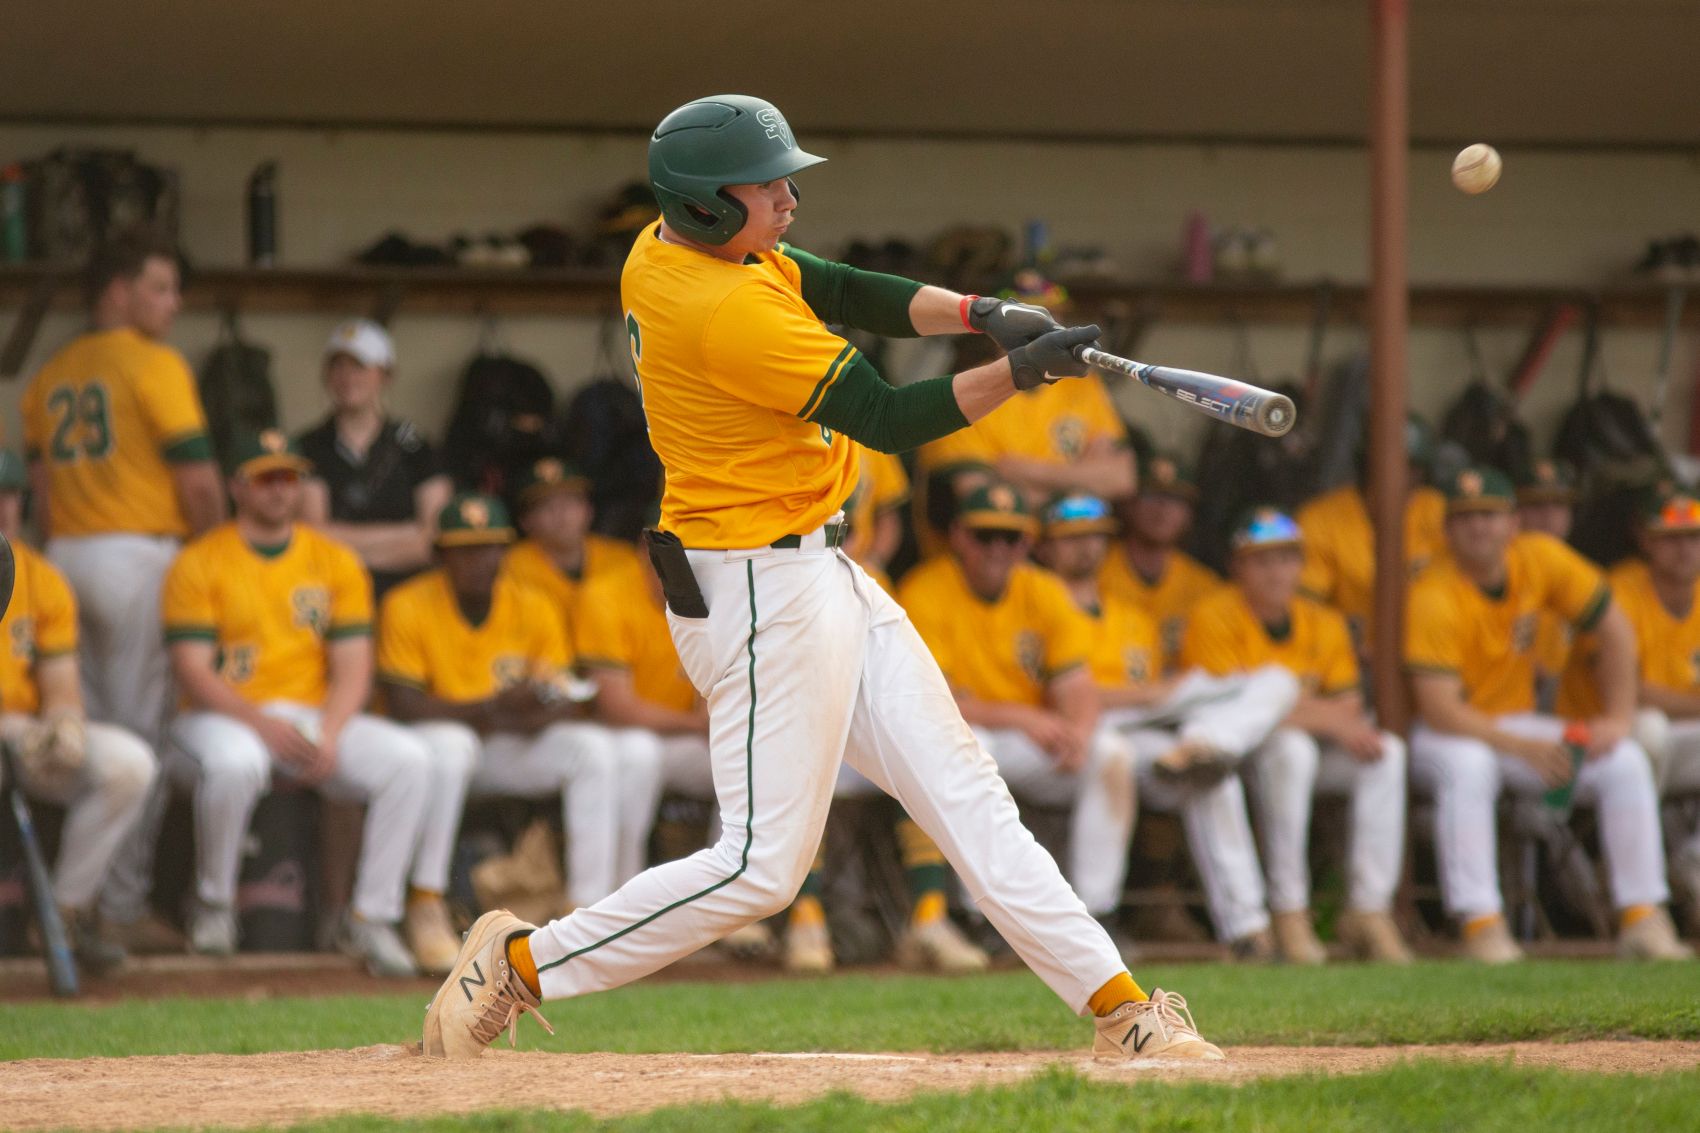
(378, 489)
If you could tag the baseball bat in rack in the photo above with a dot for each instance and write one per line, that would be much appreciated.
(1237, 403)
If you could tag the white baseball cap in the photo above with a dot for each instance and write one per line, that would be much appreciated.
(364, 341)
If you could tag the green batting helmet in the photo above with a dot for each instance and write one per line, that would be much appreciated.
(706, 145)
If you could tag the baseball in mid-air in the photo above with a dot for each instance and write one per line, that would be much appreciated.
(1476, 168)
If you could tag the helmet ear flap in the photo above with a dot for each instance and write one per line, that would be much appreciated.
(738, 206)
(796, 193)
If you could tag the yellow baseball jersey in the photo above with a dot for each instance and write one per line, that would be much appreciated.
(530, 564)
(1005, 651)
(1668, 648)
(1339, 544)
(1125, 646)
(425, 641)
(107, 416)
(730, 359)
(1488, 640)
(1054, 423)
(1167, 600)
(40, 624)
(622, 625)
(1223, 636)
(881, 486)
(270, 613)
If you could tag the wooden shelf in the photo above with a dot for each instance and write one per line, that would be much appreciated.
(582, 291)
(345, 290)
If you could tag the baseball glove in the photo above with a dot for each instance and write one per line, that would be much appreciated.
(51, 751)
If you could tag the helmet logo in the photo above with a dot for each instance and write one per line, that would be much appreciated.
(776, 127)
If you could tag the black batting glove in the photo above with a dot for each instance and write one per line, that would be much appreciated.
(1051, 356)
(1009, 324)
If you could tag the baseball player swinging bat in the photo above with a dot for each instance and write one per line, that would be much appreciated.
(1237, 403)
(61, 966)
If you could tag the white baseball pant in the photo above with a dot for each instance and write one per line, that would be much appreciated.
(378, 762)
(805, 661)
(1102, 798)
(101, 801)
(1674, 748)
(1286, 772)
(608, 782)
(126, 677)
(1232, 714)
(1466, 777)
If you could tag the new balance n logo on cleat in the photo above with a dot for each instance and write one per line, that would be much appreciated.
(480, 981)
(1160, 1027)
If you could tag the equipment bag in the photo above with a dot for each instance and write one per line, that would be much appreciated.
(236, 388)
(503, 421)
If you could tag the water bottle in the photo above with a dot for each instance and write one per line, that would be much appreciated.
(1037, 239)
(262, 216)
(1576, 739)
(14, 216)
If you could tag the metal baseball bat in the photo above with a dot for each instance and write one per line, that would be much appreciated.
(1237, 403)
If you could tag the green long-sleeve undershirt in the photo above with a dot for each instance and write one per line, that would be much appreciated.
(845, 296)
(862, 406)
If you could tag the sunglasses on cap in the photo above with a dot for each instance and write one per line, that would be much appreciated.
(992, 536)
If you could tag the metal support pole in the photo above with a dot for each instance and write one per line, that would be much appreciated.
(1389, 326)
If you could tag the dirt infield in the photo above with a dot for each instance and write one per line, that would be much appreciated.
(271, 1089)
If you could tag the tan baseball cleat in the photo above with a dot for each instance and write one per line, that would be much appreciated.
(808, 950)
(1372, 936)
(1161, 1027)
(939, 946)
(430, 936)
(1491, 943)
(1653, 937)
(482, 996)
(1296, 940)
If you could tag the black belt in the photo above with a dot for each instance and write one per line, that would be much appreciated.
(834, 532)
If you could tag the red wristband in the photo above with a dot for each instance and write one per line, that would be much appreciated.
(963, 309)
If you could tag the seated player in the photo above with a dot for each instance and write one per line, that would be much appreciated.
(1014, 648)
(1146, 568)
(1469, 646)
(1659, 593)
(478, 663)
(1178, 726)
(1327, 743)
(560, 553)
(1339, 542)
(1546, 502)
(270, 629)
(99, 772)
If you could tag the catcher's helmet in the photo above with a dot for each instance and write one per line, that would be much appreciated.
(706, 145)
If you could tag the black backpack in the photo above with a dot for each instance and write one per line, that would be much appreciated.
(503, 421)
(79, 198)
(236, 388)
(607, 438)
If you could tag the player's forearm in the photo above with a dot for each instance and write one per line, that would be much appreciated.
(995, 714)
(411, 704)
(384, 546)
(1109, 475)
(1676, 705)
(1615, 670)
(348, 683)
(619, 705)
(200, 495)
(1446, 711)
(206, 691)
(59, 685)
(1074, 697)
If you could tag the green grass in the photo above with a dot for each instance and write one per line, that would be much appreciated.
(1416, 1097)
(1428, 1003)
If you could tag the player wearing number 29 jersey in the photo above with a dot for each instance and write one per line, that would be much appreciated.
(107, 416)
(804, 661)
